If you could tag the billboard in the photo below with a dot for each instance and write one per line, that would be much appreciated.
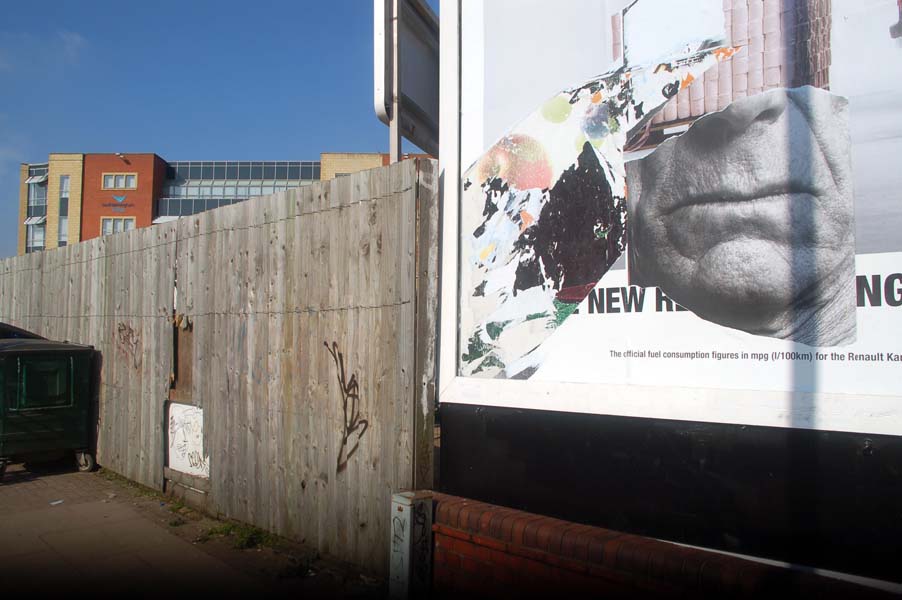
(677, 209)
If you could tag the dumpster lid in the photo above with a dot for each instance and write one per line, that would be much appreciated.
(41, 345)
(8, 331)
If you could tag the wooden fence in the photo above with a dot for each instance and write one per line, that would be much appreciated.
(114, 293)
(301, 323)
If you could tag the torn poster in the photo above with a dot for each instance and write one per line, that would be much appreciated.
(544, 209)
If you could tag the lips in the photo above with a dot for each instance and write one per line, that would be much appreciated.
(728, 196)
(787, 218)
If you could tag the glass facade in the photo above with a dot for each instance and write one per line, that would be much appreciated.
(37, 199)
(34, 237)
(37, 170)
(36, 207)
(193, 186)
(37, 190)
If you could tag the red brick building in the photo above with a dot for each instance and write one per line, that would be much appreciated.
(120, 191)
(75, 197)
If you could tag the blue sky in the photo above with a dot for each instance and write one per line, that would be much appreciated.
(189, 80)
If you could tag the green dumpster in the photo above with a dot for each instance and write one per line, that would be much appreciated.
(46, 408)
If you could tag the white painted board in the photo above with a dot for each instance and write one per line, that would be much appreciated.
(186, 440)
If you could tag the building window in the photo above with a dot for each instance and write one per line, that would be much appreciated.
(63, 230)
(38, 171)
(110, 225)
(120, 181)
(37, 199)
(34, 237)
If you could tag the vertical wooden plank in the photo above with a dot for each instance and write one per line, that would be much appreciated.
(135, 318)
(275, 315)
(425, 338)
(244, 466)
(285, 458)
(160, 306)
(218, 371)
(257, 402)
(115, 411)
(154, 373)
(238, 331)
(98, 332)
(404, 172)
(133, 348)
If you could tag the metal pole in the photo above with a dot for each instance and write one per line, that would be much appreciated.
(394, 127)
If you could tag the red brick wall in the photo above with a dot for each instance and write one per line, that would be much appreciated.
(159, 178)
(487, 550)
(139, 203)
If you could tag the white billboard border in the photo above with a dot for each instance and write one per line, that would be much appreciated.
(878, 415)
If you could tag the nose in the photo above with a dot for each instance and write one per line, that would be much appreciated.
(740, 116)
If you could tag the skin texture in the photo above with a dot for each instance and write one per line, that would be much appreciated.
(747, 219)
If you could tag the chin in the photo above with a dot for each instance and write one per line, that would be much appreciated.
(746, 284)
(750, 271)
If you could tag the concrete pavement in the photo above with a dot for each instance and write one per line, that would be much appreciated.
(67, 531)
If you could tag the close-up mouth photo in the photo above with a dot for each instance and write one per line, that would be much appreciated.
(778, 193)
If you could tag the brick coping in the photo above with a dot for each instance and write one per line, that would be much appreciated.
(620, 559)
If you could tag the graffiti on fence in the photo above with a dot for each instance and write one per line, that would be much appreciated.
(127, 342)
(353, 422)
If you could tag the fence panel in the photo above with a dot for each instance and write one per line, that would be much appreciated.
(291, 320)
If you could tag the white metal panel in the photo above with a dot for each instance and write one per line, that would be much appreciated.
(418, 49)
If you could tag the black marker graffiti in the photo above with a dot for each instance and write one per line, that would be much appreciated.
(398, 535)
(127, 341)
(350, 395)
(422, 546)
(196, 460)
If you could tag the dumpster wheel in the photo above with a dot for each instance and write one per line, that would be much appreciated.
(85, 461)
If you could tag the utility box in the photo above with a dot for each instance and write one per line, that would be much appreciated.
(45, 401)
(410, 570)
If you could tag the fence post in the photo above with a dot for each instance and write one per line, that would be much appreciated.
(410, 569)
(426, 323)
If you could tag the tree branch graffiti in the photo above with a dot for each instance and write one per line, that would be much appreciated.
(352, 422)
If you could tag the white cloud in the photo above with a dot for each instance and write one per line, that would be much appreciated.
(73, 43)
